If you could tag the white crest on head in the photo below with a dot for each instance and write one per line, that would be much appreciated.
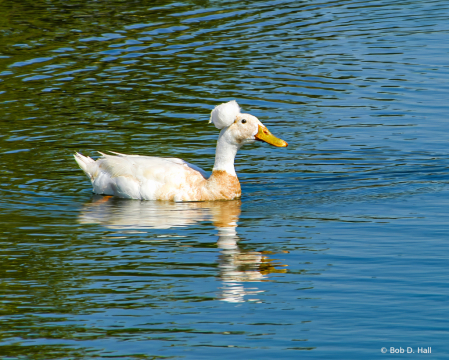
(224, 114)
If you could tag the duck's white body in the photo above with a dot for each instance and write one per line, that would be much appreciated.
(155, 178)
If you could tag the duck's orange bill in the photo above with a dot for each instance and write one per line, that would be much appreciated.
(264, 135)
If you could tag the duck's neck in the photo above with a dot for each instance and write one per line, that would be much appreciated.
(225, 154)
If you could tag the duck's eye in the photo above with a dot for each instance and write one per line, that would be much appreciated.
(244, 121)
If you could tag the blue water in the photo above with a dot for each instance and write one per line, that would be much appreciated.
(338, 247)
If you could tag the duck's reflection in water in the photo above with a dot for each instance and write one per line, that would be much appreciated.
(236, 266)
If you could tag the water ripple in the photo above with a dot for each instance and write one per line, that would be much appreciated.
(338, 240)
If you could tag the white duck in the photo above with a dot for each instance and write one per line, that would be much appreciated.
(155, 178)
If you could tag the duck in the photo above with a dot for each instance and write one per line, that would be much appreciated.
(155, 178)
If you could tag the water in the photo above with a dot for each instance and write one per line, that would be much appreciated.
(339, 245)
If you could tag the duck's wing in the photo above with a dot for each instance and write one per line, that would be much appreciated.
(140, 177)
(174, 160)
(205, 174)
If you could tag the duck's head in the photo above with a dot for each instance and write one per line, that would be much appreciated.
(242, 128)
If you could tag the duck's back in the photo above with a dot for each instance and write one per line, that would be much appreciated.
(143, 177)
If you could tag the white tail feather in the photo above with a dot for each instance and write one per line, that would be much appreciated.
(88, 165)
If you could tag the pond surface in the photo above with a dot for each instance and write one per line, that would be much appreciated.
(339, 245)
